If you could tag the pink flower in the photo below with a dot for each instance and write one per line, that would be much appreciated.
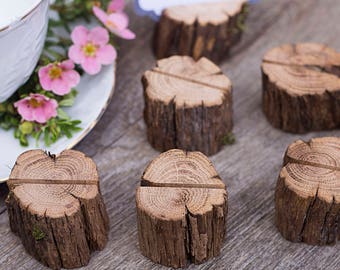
(116, 22)
(59, 78)
(91, 48)
(116, 6)
(37, 108)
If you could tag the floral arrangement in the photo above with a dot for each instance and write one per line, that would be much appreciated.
(36, 109)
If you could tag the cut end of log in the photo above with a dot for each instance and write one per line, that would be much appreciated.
(182, 208)
(51, 199)
(184, 98)
(308, 192)
(301, 87)
(197, 30)
(55, 207)
(187, 82)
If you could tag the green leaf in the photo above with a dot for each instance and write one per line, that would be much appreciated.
(47, 139)
(76, 129)
(3, 107)
(67, 133)
(76, 122)
(17, 133)
(23, 140)
(66, 102)
(62, 114)
(36, 136)
(5, 125)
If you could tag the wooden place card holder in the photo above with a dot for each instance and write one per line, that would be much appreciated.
(181, 209)
(301, 87)
(307, 197)
(203, 29)
(188, 105)
(56, 208)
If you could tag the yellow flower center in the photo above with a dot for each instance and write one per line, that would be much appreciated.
(55, 72)
(35, 103)
(110, 24)
(90, 49)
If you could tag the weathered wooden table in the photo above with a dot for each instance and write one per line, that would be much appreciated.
(249, 168)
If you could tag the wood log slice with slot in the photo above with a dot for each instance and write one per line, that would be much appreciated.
(301, 87)
(307, 198)
(181, 209)
(197, 30)
(188, 105)
(56, 208)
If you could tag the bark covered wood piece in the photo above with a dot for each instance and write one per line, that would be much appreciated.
(181, 209)
(301, 87)
(188, 105)
(307, 194)
(197, 30)
(59, 224)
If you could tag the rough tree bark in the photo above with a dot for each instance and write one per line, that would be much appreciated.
(188, 105)
(205, 29)
(307, 198)
(56, 208)
(181, 209)
(301, 87)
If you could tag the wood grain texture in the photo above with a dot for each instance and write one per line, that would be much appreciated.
(59, 224)
(307, 192)
(119, 146)
(188, 105)
(182, 208)
(301, 87)
(202, 29)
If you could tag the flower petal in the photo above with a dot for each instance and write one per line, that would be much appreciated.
(125, 33)
(99, 35)
(72, 77)
(76, 54)
(116, 6)
(67, 64)
(91, 65)
(100, 14)
(117, 21)
(24, 109)
(45, 112)
(39, 115)
(38, 97)
(106, 55)
(44, 78)
(60, 87)
(79, 35)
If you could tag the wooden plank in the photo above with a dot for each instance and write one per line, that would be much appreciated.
(249, 168)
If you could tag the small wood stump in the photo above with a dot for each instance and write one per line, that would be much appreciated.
(181, 209)
(205, 29)
(188, 105)
(59, 224)
(307, 197)
(301, 87)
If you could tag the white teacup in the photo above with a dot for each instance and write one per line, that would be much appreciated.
(23, 26)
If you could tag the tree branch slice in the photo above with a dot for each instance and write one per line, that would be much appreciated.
(200, 30)
(56, 208)
(181, 209)
(188, 105)
(307, 197)
(301, 87)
